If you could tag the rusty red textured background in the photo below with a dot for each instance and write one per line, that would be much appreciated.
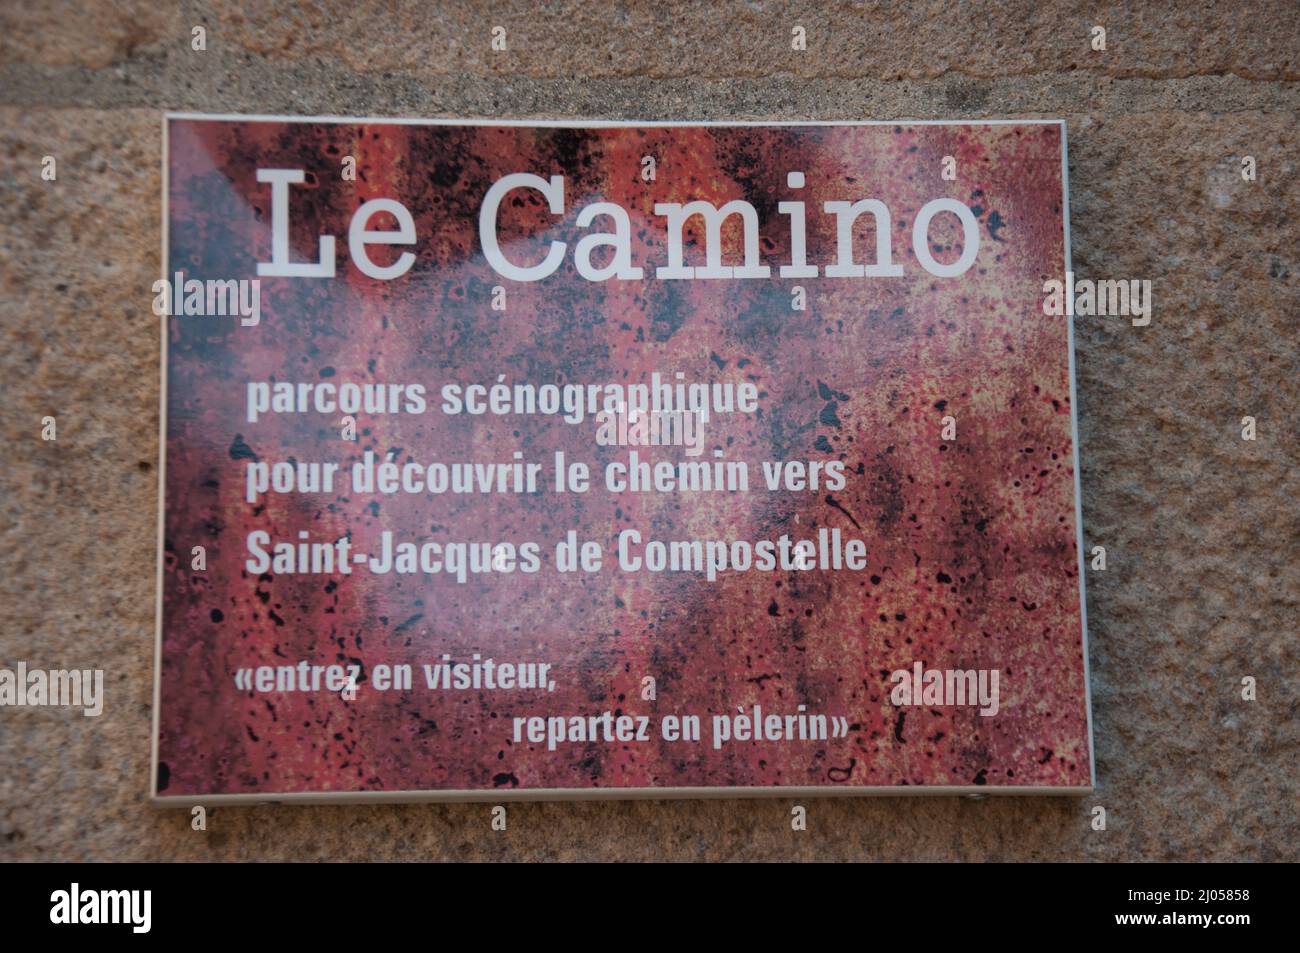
(973, 560)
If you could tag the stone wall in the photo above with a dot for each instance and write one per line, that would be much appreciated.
(1201, 528)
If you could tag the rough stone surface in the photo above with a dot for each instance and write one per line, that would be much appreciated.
(1201, 528)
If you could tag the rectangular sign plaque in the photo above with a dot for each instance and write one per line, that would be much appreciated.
(544, 460)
